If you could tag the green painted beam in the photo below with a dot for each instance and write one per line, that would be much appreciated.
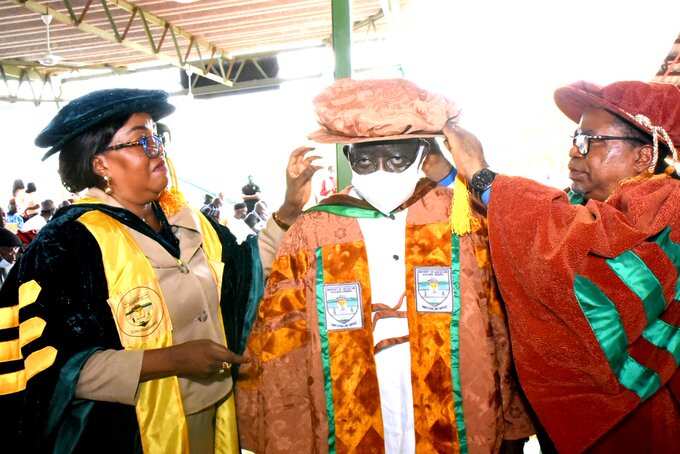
(342, 48)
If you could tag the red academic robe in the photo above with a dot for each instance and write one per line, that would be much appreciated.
(592, 296)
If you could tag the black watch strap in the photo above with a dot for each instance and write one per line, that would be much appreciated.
(481, 181)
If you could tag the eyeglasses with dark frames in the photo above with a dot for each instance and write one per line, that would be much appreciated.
(367, 163)
(153, 146)
(582, 141)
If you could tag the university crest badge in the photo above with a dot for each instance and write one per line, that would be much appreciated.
(433, 289)
(342, 303)
(139, 312)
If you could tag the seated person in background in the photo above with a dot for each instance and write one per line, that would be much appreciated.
(207, 200)
(251, 194)
(212, 209)
(32, 202)
(19, 196)
(240, 211)
(257, 219)
(237, 223)
(34, 224)
(14, 220)
(10, 245)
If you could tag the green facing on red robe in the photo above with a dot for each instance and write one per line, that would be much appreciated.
(593, 301)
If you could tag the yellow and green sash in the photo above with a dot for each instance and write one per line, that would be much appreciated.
(143, 322)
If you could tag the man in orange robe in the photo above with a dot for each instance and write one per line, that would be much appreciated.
(380, 330)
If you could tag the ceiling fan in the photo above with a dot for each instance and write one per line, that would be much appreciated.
(49, 59)
(54, 63)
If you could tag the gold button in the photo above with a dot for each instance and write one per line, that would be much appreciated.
(182, 267)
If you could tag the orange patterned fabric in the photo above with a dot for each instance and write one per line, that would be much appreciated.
(434, 418)
(281, 399)
(358, 423)
(289, 331)
(280, 392)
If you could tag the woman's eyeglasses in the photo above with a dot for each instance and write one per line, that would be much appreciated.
(153, 146)
(582, 141)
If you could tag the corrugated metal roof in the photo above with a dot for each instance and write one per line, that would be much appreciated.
(234, 26)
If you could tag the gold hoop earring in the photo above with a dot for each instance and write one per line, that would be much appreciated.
(108, 189)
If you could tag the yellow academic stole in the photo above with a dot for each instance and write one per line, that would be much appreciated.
(143, 322)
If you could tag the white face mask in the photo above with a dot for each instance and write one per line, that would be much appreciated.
(385, 191)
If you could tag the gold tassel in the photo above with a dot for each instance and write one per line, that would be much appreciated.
(171, 199)
(462, 220)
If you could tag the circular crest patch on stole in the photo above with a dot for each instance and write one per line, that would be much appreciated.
(140, 312)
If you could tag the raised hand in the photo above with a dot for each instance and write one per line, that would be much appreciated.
(299, 174)
(466, 149)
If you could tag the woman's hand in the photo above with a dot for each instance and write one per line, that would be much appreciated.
(298, 184)
(194, 359)
(202, 358)
(466, 150)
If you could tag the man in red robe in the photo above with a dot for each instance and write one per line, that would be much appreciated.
(590, 277)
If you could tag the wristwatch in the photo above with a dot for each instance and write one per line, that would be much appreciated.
(481, 181)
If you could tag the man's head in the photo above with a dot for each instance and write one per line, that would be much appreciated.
(385, 173)
(626, 129)
(616, 151)
(261, 207)
(387, 124)
(47, 209)
(17, 186)
(207, 199)
(9, 245)
(240, 210)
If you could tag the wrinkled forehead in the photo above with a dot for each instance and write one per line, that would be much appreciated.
(408, 147)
